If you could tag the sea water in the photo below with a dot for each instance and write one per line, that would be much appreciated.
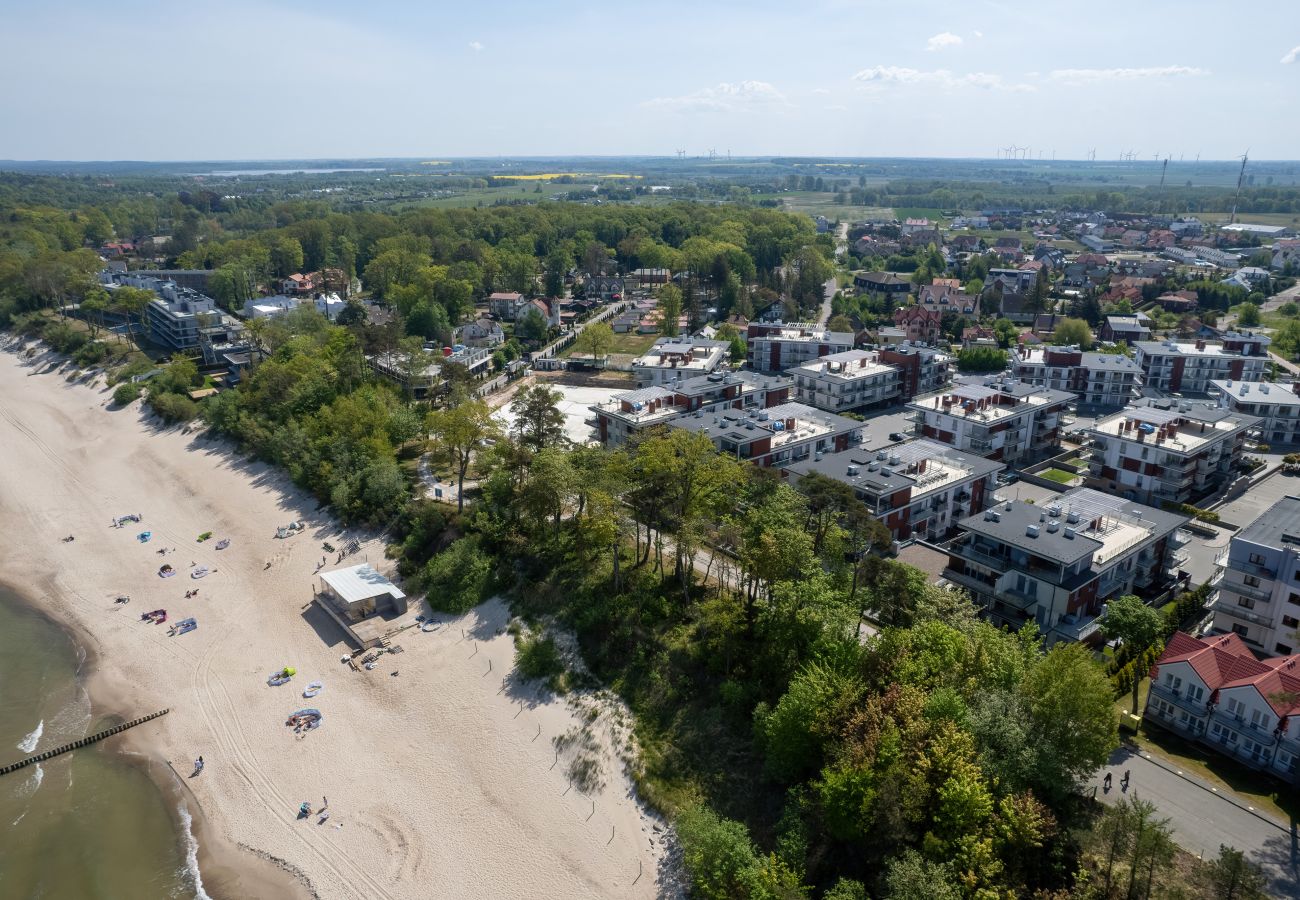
(87, 824)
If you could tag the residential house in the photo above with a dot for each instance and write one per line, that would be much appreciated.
(1214, 691)
(978, 222)
(605, 288)
(918, 488)
(300, 284)
(978, 336)
(1286, 253)
(1258, 588)
(1178, 301)
(1276, 407)
(882, 283)
(1189, 367)
(993, 417)
(1158, 451)
(922, 324)
(910, 226)
(1096, 379)
(966, 243)
(775, 346)
(1129, 329)
(481, 332)
(505, 304)
(671, 357)
(647, 277)
(1057, 563)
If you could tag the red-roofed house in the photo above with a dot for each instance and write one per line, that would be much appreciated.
(1213, 690)
(922, 324)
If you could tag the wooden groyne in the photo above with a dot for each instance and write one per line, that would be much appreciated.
(84, 742)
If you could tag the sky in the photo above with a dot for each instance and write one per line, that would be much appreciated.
(307, 79)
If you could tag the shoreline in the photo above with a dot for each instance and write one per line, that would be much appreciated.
(224, 872)
(440, 783)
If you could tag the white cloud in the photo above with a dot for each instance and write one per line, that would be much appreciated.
(877, 76)
(1092, 76)
(979, 34)
(475, 46)
(1291, 57)
(821, 90)
(725, 97)
(942, 41)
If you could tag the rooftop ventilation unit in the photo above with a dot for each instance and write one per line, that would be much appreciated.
(818, 456)
(881, 454)
(894, 459)
(996, 516)
(852, 470)
(873, 466)
(1069, 534)
(1072, 518)
(1007, 507)
(1054, 509)
(1053, 526)
(1031, 530)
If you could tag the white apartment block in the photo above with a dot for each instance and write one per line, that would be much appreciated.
(1258, 588)
(1213, 690)
(1058, 563)
(616, 420)
(996, 418)
(1158, 451)
(1277, 407)
(1096, 379)
(1189, 367)
(776, 346)
(853, 379)
(671, 357)
(916, 489)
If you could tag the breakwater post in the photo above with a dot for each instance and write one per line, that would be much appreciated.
(83, 742)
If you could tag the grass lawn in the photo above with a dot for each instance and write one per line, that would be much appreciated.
(487, 196)
(1060, 476)
(917, 212)
(1265, 794)
(630, 344)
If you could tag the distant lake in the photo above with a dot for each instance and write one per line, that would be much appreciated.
(232, 173)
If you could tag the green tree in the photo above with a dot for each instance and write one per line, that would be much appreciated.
(717, 852)
(531, 326)
(538, 421)
(1007, 332)
(1071, 707)
(1073, 332)
(670, 308)
(841, 323)
(558, 262)
(461, 431)
(286, 257)
(1248, 315)
(1233, 877)
(981, 359)
(913, 877)
(597, 339)
(1137, 626)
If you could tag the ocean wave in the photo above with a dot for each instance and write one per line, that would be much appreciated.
(28, 744)
(30, 786)
(191, 870)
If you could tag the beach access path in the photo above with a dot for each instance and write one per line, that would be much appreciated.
(442, 779)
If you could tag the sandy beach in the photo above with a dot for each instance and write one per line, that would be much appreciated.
(442, 779)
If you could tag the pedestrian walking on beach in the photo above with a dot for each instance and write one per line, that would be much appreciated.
(324, 803)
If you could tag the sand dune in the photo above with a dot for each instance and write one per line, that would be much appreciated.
(442, 779)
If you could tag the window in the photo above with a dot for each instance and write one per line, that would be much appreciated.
(1294, 598)
(1173, 683)
(1257, 558)
(1282, 649)
(1223, 733)
(1195, 692)
(1240, 629)
(1235, 707)
(1246, 602)
(1291, 622)
(1257, 751)
(1252, 580)
(1260, 719)
(1286, 761)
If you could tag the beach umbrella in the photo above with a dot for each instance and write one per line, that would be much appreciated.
(290, 670)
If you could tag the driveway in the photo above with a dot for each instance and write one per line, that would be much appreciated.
(1202, 818)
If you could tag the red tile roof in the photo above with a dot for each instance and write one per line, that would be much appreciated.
(1224, 661)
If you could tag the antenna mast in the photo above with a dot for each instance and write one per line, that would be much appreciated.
(1241, 176)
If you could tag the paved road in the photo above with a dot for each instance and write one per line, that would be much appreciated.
(828, 294)
(1202, 819)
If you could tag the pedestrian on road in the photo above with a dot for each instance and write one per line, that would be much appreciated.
(1106, 782)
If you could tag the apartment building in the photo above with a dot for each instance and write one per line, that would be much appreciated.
(624, 415)
(776, 346)
(1275, 405)
(854, 379)
(670, 357)
(1096, 379)
(777, 436)
(921, 370)
(1189, 367)
(918, 488)
(1258, 588)
(1158, 451)
(1214, 690)
(1057, 564)
(996, 418)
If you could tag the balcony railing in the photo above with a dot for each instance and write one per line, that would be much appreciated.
(1251, 568)
(1235, 611)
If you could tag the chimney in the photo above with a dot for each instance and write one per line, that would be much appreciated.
(1200, 345)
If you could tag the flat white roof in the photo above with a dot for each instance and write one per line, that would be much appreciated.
(357, 583)
(1258, 392)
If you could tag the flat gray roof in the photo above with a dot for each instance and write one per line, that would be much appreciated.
(357, 583)
(1277, 527)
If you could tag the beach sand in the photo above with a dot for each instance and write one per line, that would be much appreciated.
(442, 780)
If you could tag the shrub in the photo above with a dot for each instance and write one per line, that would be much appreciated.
(91, 354)
(458, 577)
(538, 657)
(173, 407)
(125, 393)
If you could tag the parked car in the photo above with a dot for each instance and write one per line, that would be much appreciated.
(897, 436)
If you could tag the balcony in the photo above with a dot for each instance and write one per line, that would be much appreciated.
(970, 581)
(1250, 568)
(980, 445)
(1177, 557)
(1075, 628)
(1233, 611)
(1180, 537)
